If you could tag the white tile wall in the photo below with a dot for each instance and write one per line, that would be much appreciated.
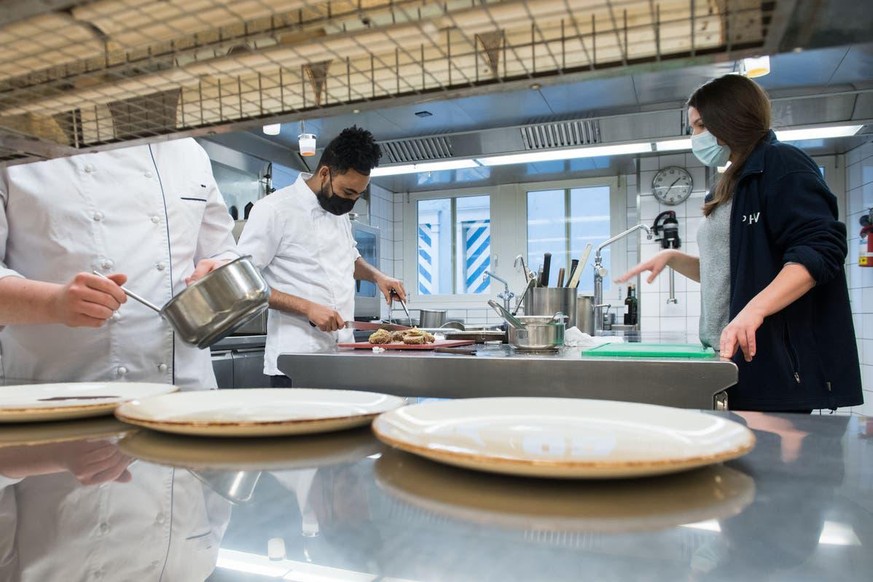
(859, 201)
(381, 215)
(657, 315)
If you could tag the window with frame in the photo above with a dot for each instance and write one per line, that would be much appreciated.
(561, 222)
(454, 245)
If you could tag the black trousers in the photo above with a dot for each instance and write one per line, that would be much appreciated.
(280, 382)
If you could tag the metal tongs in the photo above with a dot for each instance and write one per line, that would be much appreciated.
(402, 304)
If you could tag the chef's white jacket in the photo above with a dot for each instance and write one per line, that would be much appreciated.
(304, 251)
(162, 525)
(148, 211)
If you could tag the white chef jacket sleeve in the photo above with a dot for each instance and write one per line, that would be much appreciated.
(4, 226)
(215, 240)
(262, 233)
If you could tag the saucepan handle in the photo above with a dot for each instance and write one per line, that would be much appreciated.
(132, 295)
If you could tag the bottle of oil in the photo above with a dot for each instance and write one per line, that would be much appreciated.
(631, 313)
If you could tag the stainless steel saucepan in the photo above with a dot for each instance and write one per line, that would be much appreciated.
(534, 333)
(215, 305)
(539, 334)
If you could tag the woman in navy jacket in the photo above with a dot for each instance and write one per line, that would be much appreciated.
(781, 302)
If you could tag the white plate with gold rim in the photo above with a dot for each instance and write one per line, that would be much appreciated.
(563, 437)
(68, 400)
(258, 411)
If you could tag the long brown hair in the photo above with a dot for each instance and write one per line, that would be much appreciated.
(736, 111)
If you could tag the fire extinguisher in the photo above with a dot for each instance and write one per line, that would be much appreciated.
(865, 252)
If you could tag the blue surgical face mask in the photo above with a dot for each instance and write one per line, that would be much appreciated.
(708, 150)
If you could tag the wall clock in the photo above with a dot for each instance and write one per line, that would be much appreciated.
(672, 185)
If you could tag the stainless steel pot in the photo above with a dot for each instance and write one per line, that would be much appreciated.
(213, 306)
(431, 317)
(538, 333)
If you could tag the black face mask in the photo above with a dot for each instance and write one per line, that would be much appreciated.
(333, 203)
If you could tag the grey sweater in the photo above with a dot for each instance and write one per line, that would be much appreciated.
(713, 239)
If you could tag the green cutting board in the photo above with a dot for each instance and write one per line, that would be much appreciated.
(650, 350)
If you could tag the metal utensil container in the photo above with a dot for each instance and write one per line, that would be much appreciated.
(585, 313)
(431, 317)
(551, 300)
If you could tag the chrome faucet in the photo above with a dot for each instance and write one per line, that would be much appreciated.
(506, 295)
(600, 272)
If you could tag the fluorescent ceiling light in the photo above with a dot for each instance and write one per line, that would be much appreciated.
(672, 145)
(818, 132)
(567, 154)
(272, 129)
(425, 167)
(669, 145)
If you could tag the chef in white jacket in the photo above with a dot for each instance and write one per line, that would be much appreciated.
(150, 215)
(301, 238)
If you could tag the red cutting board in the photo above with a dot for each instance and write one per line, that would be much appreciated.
(399, 346)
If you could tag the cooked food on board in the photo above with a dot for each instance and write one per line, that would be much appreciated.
(380, 336)
(408, 336)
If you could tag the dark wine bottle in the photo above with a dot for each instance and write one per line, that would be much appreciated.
(631, 313)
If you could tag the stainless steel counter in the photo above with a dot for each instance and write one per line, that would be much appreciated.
(342, 506)
(677, 382)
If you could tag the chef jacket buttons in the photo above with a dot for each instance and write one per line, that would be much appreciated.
(89, 168)
(148, 174)
(107, 264)
(104, 528)
(114, 316)
(162, 367)
(98, 216)
(156, 219)
(160, 266)
(121, 371)
(160, 519)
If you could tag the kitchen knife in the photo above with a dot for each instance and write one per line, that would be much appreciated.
(374, 325)
(560, 282)
(574, 281)
(547, 264)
